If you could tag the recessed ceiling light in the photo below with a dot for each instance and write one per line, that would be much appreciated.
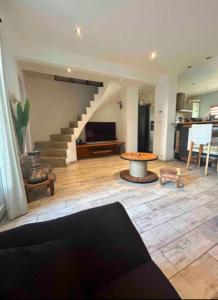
(78, 31)
(69, 70)
(209, 57)
(189, 67)
(153, 55)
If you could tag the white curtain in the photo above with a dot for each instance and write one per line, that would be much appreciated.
(12, 190)
(2, 200)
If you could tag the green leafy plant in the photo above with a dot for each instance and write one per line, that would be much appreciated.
(20, 115)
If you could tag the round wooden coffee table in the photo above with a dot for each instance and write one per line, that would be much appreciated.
(137, 171)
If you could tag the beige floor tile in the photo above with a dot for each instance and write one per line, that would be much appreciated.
(199, 280)
(138, 210)
(103, 201)
(214, 252)
(187, 248)
(159, 217)
(213, 205)
(210, 229)
(163, 263)
(192, 219)
(165, 201)
(159, 236)
(131, 199)
(192, 202)
(34, 204)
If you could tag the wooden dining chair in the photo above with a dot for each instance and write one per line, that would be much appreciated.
(200, 135)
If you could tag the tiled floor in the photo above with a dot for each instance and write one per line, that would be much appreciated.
(179, 226)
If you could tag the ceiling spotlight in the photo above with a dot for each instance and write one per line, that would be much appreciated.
(69, 70)
(189, 67)
(153, 55)
(78, 31)
(209, 57)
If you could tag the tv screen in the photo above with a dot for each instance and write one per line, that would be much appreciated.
(100, 131)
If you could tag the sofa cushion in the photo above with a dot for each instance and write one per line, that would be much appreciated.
(144, 282)
(43, 271)
(107, 243)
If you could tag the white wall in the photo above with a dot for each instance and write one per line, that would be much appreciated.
(126, 118)
(121, 117)
(131, 119)
(165, 111)
(206, 101)
(107, 113)
(54, 104)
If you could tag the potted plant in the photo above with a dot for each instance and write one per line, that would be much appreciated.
(20, 114)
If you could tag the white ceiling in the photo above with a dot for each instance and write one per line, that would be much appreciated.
(201, 78)
(183, 32)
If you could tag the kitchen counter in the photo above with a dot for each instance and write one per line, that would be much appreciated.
(181, 139)
(215, 123)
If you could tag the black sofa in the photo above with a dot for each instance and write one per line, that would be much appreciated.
(93, 254)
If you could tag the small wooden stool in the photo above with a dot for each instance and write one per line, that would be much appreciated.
(170, 174)
(48, 183)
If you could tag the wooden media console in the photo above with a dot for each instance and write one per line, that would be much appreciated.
(93, 150)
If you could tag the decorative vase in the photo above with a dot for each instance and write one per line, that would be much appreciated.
(35, 158)
(39, 173)
(26, 167)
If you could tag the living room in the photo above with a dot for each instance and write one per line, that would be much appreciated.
(109, 103)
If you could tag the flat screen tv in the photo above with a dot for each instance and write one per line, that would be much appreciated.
(100, 131)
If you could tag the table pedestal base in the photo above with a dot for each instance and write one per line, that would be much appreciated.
(150, 177)
(138, 168)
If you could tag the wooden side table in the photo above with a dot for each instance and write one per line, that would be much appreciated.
(48, 183)
(137, 171)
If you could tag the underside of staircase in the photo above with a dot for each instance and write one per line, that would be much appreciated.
(56, 151)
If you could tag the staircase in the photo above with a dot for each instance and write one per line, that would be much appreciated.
(61, 149)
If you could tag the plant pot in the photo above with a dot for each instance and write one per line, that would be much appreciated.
(25, 164)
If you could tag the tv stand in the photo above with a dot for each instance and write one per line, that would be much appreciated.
(93, 150)
(99, 142)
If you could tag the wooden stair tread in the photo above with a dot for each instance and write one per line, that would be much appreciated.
(67, 130)
(73, 124)
(61, 137)
(54, 149)
(61, 134)
(59, 152)
(54, 161)
(53, 157)
(51, 144)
